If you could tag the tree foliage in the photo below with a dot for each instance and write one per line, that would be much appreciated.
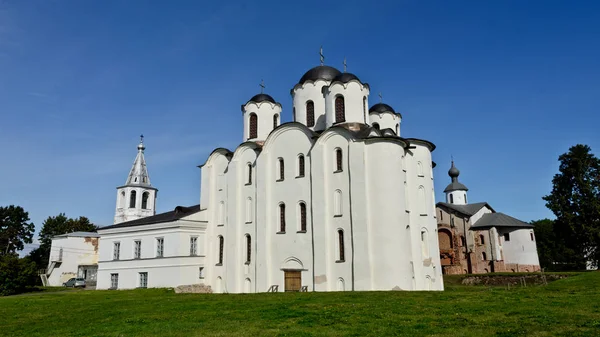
(15, 229)
(16, 275)
(575, 201)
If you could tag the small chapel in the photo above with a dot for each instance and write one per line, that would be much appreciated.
(335, 200)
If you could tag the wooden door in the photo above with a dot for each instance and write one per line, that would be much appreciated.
(293, 280)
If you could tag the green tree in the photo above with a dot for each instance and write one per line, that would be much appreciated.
(575, 201)
(15, 230)
(16, 275)
(546, 242)
(57, 225)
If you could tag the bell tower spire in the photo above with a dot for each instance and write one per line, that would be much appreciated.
(137, 198)
(456, 193)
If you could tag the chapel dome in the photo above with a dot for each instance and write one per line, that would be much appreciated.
(381, 107)
(262, 98)
(453, 172)
(326, 73)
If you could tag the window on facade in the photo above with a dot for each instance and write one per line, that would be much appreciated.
(248, 248)
(340, 110)
(221, 215)
(302, 217)
(145, 200)
(341, 245)
(483, 256)
(376, 126)
(422, 201)
(310, 113)
(281, 169)
(338, 160)
(132, 199)
(249, 173)
(532, 238)
(506, 237)
(123, 200)
(424, 243)
(160, 247)
(249, 207)
(201, 272)
(137, 249)
(481, 239)
(463, 242)
(221, 244)
(419, 169)
(451, 198)
(143, 280)
(253, 126)
(465, 198)
(114, 281)
(337, 203)
(441, 216)
(365, 108)
(116, 250)
(397, 129)
(275, 120)
(193, 245)
(301, 166)
(282, 218)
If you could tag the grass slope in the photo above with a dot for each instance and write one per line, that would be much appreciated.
(568, 307)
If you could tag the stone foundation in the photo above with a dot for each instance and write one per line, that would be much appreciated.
(193, 289)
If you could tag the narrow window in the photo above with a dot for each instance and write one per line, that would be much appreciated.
(281, 169)
(338, 160)
(340, 110)
(282, 218)
(221, 214)
(419, 169)
(451, 198)
(249, 210)
(424, 243)
(123, 200)
(301, 166)
(397, 129)
(506, 237)
(481, 239)
(465, 198)
(221, 243)
(193, 245)
(310, 113)
(483, 256)
(302, 217)
(463, 242)
(532, 238)
(441, 215)
(145, 200)
(365, 108)
(253, 126)
(337, 203)
(422, 201)
(249, 169)
(116, 250)
(114, 281)
(132, 199)
(275, 121)
(137, 250)
(160, 247)
(341, 245)
(143, 280)
(376, 126)
(248, 248)
(201, 272)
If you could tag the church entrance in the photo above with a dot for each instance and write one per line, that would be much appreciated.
(293, 280)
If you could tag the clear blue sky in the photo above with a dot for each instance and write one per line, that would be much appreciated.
(503, 86)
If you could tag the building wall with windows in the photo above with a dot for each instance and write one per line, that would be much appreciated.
(70, 255)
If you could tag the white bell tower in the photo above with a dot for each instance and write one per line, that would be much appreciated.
(456, 193)
(137, 198)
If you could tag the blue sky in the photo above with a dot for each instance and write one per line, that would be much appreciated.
(505, 87)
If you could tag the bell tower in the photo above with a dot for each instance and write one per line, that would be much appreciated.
(137, 198)
(456, 193)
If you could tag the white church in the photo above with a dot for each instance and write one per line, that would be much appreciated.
(336, 200)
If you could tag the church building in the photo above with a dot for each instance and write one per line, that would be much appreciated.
(336, 200)
(475, 239)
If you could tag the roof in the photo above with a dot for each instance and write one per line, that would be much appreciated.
(79, 235)
(468, 209)
(345, 78)
(455, 186)
(326, 73)
(176, 214)
(383, 108)
(499, 220)
(261, 98)
(138, 175)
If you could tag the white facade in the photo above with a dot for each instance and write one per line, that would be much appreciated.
(73, 255)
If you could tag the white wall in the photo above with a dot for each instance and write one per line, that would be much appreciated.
(520, 249)
(353, 93)
(125, 213)
(264, 111)
(310, 91)
(386, 121)
(76, 251)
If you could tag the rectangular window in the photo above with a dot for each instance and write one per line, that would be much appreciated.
(506, 237)
(281, 169)
(282, 218)
(114, 281)
(116, 250)
(143, 280)
(160, 247)
(532, 238)
(201, 272)
(193, 245)
(137, 249)
(221, 244)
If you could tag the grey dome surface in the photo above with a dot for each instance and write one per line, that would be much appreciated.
(381, 107)
(261, 98)
(453, 172)
(326, 73)
(345, 78)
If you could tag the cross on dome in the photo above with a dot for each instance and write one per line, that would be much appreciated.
(345, 65)
(322, 56)
(262, 86)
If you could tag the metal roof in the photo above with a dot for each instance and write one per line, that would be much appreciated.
(499, 220)
(176, 214)
(468, 209)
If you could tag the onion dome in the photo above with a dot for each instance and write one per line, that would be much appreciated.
(381, 107)
(326, 73)
(262, 98)
(345, 78)
(453, 172)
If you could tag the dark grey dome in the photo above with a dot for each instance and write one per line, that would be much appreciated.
(381, 107)
(345, 78)
(261, 98)
(326, 73)
(453, 172)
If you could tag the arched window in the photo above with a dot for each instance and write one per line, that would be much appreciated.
(253, 126)
(337, 203)
(221, 214)
(302, 217)
(481, 239)
(451, 198)
(282, 218)
(465, 198)
(441, 215)
(338, 160)
(532, 237)
(123, 200)
(422, 201)
(341, 245)
(340, 110)
(376, 126)
(249, 173)
(310, 113)
(483, 256)
(145, 200)
(365, 108)
(301, 166)
(249, 210)
(397, 129)
(424, 243)
(248, 248)
(221, 244)
(281, 169)
(275, 120)
(132, 199)
(419, 169)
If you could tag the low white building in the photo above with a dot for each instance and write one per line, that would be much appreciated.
(334, 201)
(72, 255)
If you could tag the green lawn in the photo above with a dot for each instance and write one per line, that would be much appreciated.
(568, 307)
